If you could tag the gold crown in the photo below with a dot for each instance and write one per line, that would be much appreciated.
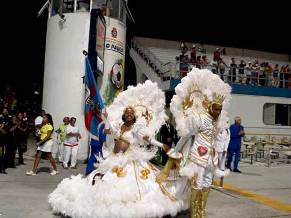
(218, 99)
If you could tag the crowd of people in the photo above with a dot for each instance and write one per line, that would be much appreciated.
(67, 142)
(16, 122)
(20, 119)
(253, 73)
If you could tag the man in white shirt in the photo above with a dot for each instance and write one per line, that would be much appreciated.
(38, 122)
(71, 144)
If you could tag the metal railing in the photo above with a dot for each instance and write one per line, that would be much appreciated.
(117, 9)
(177, 70)
(233, 75)
(152, 61)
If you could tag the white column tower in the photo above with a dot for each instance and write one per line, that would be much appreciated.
(63, 87)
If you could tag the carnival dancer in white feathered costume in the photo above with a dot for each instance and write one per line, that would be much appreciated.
(199, 108)
(124, 185)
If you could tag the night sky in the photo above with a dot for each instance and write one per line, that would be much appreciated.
(244, 25)
(262, 27)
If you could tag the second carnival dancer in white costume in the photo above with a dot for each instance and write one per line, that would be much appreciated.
(124, 185)
(199, 107)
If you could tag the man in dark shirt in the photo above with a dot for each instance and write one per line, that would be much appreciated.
(168, 136)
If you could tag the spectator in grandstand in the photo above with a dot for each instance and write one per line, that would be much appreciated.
(241, 71)
(248, 73)
(232, 70)
(216, 55)
(198, 62)
(276, 76)
(268, 75)
(184, 62)
(214, 68)
(204, 61)
(221, 69)
(262, 74)
(183, 47)
(193, 55)
(282, 76)
(287, 76)
(255, 73)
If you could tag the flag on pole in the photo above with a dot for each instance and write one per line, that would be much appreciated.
(93, 102)
(93, 118)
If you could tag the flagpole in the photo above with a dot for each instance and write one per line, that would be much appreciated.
(42, 8)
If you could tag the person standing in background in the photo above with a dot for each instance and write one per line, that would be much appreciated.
(71, 144)
(44, 145)
(236, 134)
(168, 136)
(61, 131)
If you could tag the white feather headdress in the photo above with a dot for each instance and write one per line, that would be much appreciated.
(191, 93)
(148, 101)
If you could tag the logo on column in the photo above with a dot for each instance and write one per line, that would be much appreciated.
(114, 32)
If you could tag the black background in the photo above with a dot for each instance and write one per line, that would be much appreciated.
(262, 26)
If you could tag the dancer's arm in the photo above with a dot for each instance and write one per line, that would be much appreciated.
(156, 143)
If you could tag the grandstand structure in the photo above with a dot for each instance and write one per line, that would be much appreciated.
(159, 57)
(265, 109)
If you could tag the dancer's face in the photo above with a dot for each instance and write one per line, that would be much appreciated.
(129, 115)
(45, 119)
(216, 111)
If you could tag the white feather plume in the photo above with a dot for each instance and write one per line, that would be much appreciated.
(147, 94)
(207, 83)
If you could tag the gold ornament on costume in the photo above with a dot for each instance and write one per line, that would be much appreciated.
(142, 110)
(189, 100)
(206, 103)
(119, 171)
(217, 99)
(148, 116)
(144, 174)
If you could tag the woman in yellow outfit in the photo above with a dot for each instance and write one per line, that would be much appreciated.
(44, 145)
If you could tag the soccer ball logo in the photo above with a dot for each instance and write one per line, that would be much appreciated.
(117, 75)
(114, 32)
